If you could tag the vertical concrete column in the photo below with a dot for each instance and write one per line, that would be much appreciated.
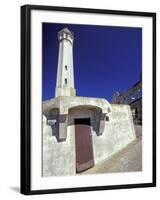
(102, 123)
(97, 115)
(62, 119)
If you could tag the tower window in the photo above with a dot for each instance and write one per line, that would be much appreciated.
(65, 67)
(65, 80)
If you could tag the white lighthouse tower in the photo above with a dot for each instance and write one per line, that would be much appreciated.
(78, 131)
(65, 74)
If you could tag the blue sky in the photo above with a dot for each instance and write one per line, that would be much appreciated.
(106, 59)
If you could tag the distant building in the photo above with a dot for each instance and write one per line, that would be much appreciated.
(132, 97)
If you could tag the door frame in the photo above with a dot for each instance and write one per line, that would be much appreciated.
(82, 119)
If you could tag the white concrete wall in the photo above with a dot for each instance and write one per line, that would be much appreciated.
(58, 157)
(118, 133)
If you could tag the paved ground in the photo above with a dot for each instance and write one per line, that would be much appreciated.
(127, 160)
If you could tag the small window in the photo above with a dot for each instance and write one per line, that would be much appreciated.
(65, 67)
(107, 118)
(65, 80)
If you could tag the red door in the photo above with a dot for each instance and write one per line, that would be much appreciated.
(84, 151)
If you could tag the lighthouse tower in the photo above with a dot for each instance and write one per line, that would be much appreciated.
(65, 74)
(84, 131)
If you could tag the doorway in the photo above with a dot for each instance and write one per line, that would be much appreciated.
(83, 143)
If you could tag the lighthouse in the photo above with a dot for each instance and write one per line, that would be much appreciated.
(80, 132)
(65, 74)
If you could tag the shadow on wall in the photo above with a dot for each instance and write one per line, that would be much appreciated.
(55, 120)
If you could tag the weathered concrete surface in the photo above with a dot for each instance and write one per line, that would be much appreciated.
(65, 103)
(58, 109)
(119, 132)
(58, 157)
(127, 160)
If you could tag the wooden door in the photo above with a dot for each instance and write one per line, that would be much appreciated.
(83, 140)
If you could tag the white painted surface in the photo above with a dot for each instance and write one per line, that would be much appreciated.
(59, 157)
(65, 66)
(65, 103)
(118, 133)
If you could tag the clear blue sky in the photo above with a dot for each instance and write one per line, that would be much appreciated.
(106, 59)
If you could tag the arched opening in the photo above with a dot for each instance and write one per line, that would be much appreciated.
(85, 119)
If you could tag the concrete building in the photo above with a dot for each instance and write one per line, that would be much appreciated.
(79, 132)
(132, 97)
